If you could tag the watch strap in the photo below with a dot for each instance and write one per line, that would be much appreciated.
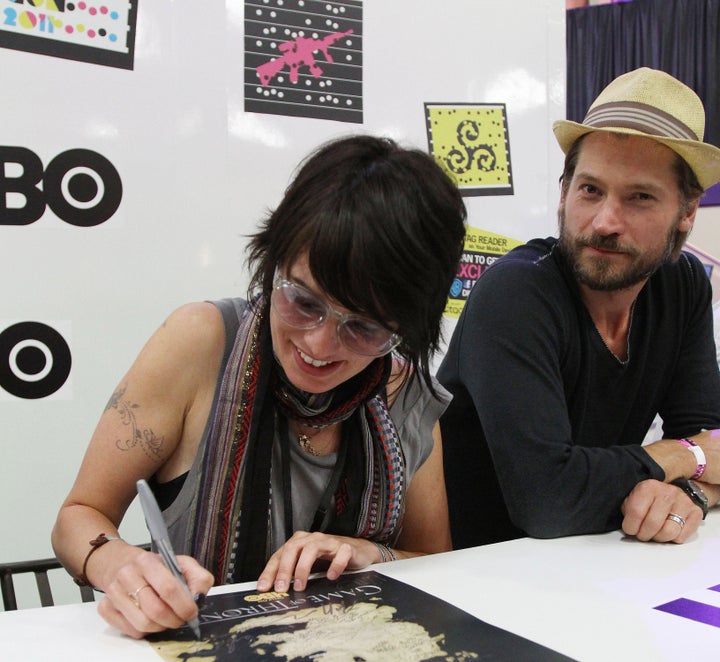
(695, 492)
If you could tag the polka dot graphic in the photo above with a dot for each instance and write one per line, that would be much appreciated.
(301, 49)
(100, 32)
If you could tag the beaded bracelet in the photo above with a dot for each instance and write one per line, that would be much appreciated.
(386, 554)
(95, 544)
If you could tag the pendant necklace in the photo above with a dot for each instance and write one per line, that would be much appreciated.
(305, 439)
(304, 442)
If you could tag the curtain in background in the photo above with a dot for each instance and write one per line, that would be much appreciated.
(681, 37)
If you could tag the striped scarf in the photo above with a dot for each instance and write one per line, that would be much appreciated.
(231, 520)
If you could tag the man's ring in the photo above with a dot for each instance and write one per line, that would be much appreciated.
(134, 595)
(677, 519)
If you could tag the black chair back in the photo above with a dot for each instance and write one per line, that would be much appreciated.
(40, 568)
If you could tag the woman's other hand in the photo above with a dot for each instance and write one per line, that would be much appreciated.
(295, 560)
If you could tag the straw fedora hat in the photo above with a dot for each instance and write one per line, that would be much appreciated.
(653, 104)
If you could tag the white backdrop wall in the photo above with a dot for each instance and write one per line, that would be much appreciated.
(197, 172)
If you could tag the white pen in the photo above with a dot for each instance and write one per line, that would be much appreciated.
(161, 540)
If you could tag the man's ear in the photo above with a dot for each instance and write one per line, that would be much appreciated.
(563, 190)
(688, 219)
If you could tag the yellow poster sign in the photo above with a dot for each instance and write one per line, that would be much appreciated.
(471, 143)
(482, 249)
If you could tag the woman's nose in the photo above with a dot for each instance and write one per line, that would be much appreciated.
(323, 339)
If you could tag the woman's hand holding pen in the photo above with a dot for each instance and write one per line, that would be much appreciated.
(145, 596)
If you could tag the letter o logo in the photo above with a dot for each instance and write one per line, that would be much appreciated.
(82, 187)
(35, 360)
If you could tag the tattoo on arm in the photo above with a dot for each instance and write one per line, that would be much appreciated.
(148, 441)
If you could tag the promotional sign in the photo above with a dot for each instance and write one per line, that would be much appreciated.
(481, 250)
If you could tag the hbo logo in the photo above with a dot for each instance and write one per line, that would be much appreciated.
(35, 360)
(80, 186)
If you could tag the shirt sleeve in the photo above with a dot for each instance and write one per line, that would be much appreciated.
(692, 401)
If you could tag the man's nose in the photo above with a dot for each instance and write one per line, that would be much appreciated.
(609, 218)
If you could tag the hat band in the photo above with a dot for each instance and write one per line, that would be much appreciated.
(638, 116)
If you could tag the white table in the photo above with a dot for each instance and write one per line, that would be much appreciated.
(589, 597)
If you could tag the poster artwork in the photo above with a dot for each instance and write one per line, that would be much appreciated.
(471, 143)
(481, 250)
(303, 58)
(364, 616)
(95, 32)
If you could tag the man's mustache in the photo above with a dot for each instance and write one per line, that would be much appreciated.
(605, 243)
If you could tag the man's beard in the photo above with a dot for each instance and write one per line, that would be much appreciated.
(601, 274)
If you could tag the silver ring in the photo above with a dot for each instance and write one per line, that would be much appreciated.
(677, 519)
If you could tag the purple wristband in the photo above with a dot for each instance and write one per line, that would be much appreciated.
(699, 457)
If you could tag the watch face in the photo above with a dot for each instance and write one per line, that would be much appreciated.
(697, 492)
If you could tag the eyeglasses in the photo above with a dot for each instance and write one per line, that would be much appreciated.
(300, 308)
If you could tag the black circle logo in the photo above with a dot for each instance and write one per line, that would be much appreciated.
(82, 187)
(35, 360)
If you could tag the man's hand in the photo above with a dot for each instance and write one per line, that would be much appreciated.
(660, 512)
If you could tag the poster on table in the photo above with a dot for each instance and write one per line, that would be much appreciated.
(143, 140)
(363, 616)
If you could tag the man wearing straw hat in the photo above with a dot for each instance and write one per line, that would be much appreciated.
(568, 348)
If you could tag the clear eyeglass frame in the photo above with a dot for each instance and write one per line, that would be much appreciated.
(355, 332)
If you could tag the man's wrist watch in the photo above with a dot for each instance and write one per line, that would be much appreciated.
(694, 491)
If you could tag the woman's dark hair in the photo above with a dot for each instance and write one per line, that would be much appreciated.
(383, 230)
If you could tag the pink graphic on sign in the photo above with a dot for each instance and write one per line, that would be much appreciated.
(297, 53)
